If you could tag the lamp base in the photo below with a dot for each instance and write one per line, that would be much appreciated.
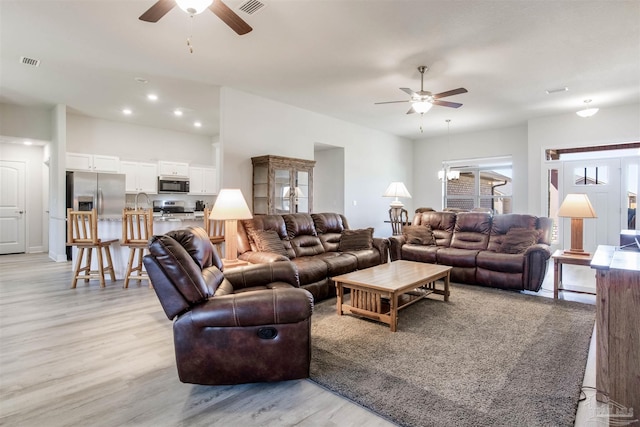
(396, 204)
(576, 252)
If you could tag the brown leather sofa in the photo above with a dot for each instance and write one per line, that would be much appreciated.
(312, 242)
(478, 247)
(249, 324)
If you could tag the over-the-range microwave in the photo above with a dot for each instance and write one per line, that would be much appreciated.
(173, 184)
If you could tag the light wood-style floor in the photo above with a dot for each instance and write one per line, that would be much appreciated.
(104, 357)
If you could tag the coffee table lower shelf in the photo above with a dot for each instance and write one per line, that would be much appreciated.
(378, 307)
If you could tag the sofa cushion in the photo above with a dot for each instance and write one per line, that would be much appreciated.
(356, 240)
(311, 269)
(418, 234)
(328, 223)
(339, 262)
(500, 225)
(441, 223)
(471, 231)
(300, 224)
(420, 253)
(517, 240)
(268, 241)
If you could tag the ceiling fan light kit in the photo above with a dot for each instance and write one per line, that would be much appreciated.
(193, 7)
(587, 112)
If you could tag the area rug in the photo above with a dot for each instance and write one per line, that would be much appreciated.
(485, 358)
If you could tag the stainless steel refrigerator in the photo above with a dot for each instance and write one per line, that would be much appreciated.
(103, 191)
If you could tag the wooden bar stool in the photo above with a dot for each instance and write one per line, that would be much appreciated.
(137, 228)
(215, 231)
(82, 231)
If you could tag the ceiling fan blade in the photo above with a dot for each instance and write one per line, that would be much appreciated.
(390, 102)
(157, 11)
(409, 91)
(449, 93)
(446, 104)
(411, 110)
(229, 17)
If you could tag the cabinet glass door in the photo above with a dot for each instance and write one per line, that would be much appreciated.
(301, 197)
(282, 187)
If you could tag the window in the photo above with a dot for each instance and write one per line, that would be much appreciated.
(486, 185)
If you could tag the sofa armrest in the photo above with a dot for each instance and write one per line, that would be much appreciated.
(382, 245)
(263, 307)
(544, 250)
(261, 257)
(395, 247)
(263, 274)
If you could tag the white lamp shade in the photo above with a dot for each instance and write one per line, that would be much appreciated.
(193, 6)
(396, 189)
(230, 204)
(576, 206)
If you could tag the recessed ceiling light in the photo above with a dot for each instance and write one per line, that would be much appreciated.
(127, 111)
(178, 113)
(197, 124)
(26, 142)
(557, 90)
(141, 80)
(152, 97)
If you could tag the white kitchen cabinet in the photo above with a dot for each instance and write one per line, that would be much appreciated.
(140, 177)
(173, 168)
(93, 162)
(203, 180)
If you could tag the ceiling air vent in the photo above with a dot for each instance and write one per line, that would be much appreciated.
(29, 61)
(251, 6)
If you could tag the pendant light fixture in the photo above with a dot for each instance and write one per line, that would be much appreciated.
(587, 112)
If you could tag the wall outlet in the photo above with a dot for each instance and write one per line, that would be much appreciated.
(355, 203)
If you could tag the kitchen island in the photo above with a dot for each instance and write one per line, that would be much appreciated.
(110, 227)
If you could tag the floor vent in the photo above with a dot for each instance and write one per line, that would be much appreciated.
(251, 6)
(29, 61)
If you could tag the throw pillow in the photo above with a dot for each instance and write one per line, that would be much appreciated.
(418, 234)
(356, 240)
(268, 241)
(517, 240)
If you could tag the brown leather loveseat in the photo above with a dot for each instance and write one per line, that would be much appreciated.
(509, 251)
(321, 245)
(249, 324)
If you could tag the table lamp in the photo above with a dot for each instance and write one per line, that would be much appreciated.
(396, 189)
(230, 206)
(576, 207)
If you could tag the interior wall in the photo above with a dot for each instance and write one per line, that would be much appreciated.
(253, 126)
(329, 170)
(138, 143)
(431, 152)
(25, 122)
(609, 126)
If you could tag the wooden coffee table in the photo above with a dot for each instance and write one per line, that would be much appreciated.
(379, 292)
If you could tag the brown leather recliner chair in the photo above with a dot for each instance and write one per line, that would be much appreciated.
(250, 324)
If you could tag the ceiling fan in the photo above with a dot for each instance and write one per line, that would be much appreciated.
(194, 7)
(422, 101)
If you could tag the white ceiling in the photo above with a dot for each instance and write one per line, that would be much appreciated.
(335, 57)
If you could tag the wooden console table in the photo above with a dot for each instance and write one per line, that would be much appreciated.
(617, 330)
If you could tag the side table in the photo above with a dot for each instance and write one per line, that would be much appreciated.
(559, 258)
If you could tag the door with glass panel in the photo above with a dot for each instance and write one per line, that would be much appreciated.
(600, 180)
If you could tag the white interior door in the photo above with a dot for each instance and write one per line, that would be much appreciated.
(12, 207)
(599, 179)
